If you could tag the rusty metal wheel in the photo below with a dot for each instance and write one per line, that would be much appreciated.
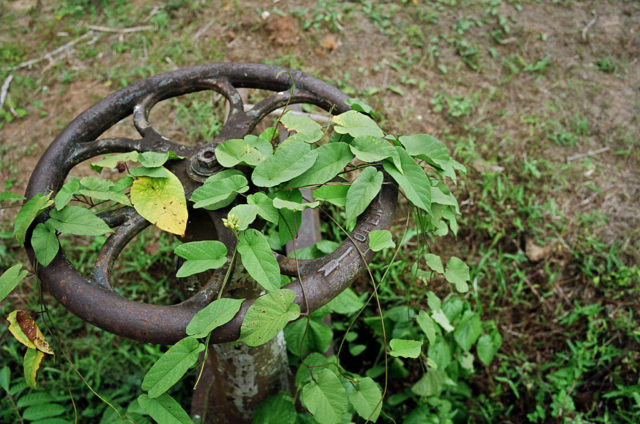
(92, 297)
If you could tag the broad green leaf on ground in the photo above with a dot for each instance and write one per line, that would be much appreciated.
(433, 301)
(31, 365)
(427, 326)
(440, 353)
(251, 151)
(161, 201)
(306, 129)
(361, 106)
(488, 345)
(311, 363)
(212, 316)
(277, 409)
(336, 194)
(77, 220)
(414, 182)
(164, 409)
(430, 384)
(26, 331)
(374, 149)
(200, 256)
(67, 191)
(265, 206)
(405, 348)
(363, 190)
(439, 317)
(44, 243)
(286, 163)
(356, 124)
(111, 161)
(434, 262)
(308, 334)
(346, 303)
(457, 273)
(171, 366)
(267, 316)
(293, 206)
(258, 259)
(332, 158)
(380, 239)
(10, 279)
(261, 143)
(325, 397)
(143, 171)
(10, 196)
(468, 330)
(98, 188)
(28, 213)
(218, 193)
(44, 413)
(442, 198)
(246, 214)
(367, 399)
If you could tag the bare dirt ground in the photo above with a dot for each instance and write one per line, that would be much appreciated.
(540, 101)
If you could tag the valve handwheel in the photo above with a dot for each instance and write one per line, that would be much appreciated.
(91, 297)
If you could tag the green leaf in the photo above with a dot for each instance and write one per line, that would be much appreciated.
(468, 330)
(246, 214)
(380, 239)
(332, 158)
(405, 348)
(172, 366)
(218, 193)
(212, 316)
(10, 196)
(439, 317)
(363, 190)
(35, 398)
(306, 129)
(111, 161)
(143, 171)
(156, 159)
(28, 213)
(10, 279)
(427, 326)
(161, 201)
(31, 364)
(367, 399)
(286, 163)
(251, 151)
(440, 353)
(336, 194)
(374, 149)
(258, 259)
(122, 184)
(77, 220)
(488, 345)
(200, 256)
(267, 316)
(325, 397)
(430, 384)
(164, 409)
(434, 262)
(414, 182)
(356, 124)
(265, 206)
(38, 412)
(66, 192)
(277, 409)
(427, 148)
(293, 206)
(288, 221)
(311, 363)
(314, 337)
(5, 379)
(45, 244)
(98, 188)
(457, 273)
(361, 106)
(346, 303)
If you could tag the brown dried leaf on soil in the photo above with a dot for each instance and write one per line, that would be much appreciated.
(283, 30)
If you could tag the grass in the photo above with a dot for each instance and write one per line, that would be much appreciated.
(511, 87)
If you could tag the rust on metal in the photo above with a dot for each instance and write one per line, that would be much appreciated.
(90, 297)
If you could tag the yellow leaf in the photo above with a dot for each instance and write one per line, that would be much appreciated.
(25, 330)
(161, 201)
(31, 364)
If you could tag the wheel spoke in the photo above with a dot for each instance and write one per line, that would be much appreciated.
(114, 245)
